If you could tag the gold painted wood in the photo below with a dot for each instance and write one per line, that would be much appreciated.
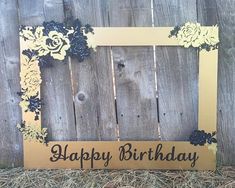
(133, 36)
(207, 107)
(37, 155)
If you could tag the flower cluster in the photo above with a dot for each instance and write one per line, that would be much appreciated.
(51, 42)
(192, 34)
(31, 132)
(78, 41)
(200, 137)
(30, 74)
(31, 103)
(55, 41)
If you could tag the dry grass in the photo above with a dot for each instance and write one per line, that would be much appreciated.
(17, 177)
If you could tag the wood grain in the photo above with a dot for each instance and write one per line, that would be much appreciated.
(177, 73)
(210, 13)
(92, 79)
(134, 75)
(56, 90)
(10, 113)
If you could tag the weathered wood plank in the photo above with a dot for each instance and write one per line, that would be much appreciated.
(209, 13)
(134, 75)
(177, 73)
(58, 112)
(10, 113)
(92, 79)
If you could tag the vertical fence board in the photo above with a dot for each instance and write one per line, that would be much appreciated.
(177, 70)
(57, 111)
(92, 79)
(213, 12)
(10, 114)
(134, 75)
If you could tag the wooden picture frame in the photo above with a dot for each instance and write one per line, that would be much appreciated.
(127, 154)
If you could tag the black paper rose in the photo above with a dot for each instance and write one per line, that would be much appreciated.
(200, 137)
(78, 42)
(32, 104)
(54, 26)
(45, 61)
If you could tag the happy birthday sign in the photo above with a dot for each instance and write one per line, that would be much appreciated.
(53, 41)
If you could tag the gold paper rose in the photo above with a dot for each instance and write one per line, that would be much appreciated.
(188, 35)
(193, 34)
(56, 44)
(35, 40)
(210, 35)
(30, 81)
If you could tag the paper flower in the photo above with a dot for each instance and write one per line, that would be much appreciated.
(30, 81)
(188, 35)
(200, 137)
(56, 44)
(210, 35)
(31, 132)
(194, 35)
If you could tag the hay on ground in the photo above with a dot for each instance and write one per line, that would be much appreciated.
(17, 177)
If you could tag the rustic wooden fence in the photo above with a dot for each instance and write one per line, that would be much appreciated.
(80, 102)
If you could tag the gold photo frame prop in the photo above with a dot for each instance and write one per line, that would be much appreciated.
(54, 40)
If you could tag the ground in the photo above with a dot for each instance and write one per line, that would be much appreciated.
(17, 178)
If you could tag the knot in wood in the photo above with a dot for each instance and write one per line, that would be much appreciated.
(81, 97)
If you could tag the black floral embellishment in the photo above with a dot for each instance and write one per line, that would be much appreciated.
(78, 41)
(200, 137)
(32, 104)
(54, 26)
(88, 29)
(54, 41)
(174, 31)
(45, 61)
(210, 138)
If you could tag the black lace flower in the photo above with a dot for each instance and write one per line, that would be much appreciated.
(175, 31)
(208, 47)
(88, 29)
(45, 61)
(78, 42)
(32, 104)
(54, 26)
(200, 137)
